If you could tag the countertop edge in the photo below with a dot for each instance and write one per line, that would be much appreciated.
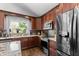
(1, 38)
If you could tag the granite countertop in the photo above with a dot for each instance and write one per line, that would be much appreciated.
(12, 37)
(17, 37)
(54, 38)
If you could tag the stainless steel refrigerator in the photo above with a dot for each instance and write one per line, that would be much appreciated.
(68, 33)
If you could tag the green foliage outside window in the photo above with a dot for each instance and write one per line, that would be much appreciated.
(22, 27)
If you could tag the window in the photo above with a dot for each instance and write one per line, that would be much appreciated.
(15, 25)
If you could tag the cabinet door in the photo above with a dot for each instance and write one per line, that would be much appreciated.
(33, 20)
(31, 42)
(68, 6)
(34, 41)
(24, 43)
(38, 23)
(1, 20)
(52, 48)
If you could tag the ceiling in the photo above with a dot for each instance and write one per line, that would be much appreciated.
(37, 9)
(32, 9)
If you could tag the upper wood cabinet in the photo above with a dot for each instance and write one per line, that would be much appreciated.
(33, 21)
(2, 20)
(68, 6)
(59, 9)
(50, 15)
(38, 23)
(62, 7)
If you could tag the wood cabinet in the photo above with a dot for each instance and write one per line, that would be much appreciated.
(37, 41)
(61, 8)
(24, 43)
(2, 20)
(33, 21)
(50, 16)
(29, 42)
(68, 6)
(38, 23)
(52, 48)
(34, 41)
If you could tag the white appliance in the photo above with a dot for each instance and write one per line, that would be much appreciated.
(15, 48)
(10, 48)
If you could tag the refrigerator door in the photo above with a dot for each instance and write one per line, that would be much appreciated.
(59, 30)
(64, 32)
(76, 33)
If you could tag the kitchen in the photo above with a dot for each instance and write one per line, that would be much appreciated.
(25, 32)
(21, 35)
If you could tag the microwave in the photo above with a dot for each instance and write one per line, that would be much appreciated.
(48, 25)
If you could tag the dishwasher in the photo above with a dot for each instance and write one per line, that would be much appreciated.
(10, 48)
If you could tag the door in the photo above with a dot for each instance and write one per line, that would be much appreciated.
(31, 42)
(64, 24)
(34, 41)
(24, 43)
(59, 29)
(76, 32)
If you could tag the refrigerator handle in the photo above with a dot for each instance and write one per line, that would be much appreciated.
(71, 39)
(76, 35)
(71, 44)
(66, 36)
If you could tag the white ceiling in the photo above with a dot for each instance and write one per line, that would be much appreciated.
(32, 9)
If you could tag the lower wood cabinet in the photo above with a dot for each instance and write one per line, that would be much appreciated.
(52, 48)
(24, 43)
(36, 41)
(29, 42)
